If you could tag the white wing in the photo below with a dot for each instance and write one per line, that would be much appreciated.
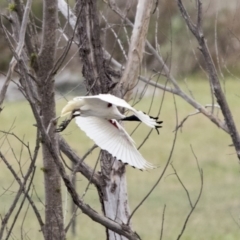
(109, 135)
(122, 103)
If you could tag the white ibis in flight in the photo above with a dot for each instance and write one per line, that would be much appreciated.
(98, 117)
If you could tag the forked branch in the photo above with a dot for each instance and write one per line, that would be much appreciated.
(193, 205)
(212, 73)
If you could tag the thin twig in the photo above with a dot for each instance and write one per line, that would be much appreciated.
(163, 215)
(72, 219)
(163, 171)
(184, 120)
(185, 189)
(83, 168)
(213, 76)
(90, 180)
(116, 36)
(18, 51)
(197, 200)
(20, 191)
(21, 204)
(77, 166)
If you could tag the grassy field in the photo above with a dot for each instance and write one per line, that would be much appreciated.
(218, 211)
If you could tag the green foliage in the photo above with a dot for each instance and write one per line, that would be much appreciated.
(44, 169)
(12, 7)
(33, 59)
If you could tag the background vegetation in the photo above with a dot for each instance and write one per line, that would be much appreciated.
(221, 22)
(216, 216)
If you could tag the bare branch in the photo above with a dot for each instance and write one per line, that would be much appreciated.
(19, 49)
(110, 224)
(78, 165)
(65, 9)
(163, 171)
(197, 200)
(158, 85)
(114, 226)
(185, 189)
(163, 215)
(135, 54)
(176, 90)
(82, 167)
(213, 77)
(90, 180)
(199, 14)
(74, 214)
(116, 37)
(187, 18)
(185, 119)
(26, 195)
(20, 191)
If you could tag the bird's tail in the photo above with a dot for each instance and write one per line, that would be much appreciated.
(148, 120)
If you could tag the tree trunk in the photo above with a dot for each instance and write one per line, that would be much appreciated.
(114, 199)
(54, 228)
(137, 45)
(43, 66)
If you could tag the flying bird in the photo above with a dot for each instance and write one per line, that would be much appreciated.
(98, 117)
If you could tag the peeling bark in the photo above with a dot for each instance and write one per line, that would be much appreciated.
(137, 44)
(113, 195)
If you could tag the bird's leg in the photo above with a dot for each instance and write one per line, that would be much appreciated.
(65, 123)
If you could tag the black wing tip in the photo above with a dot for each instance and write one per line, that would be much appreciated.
(155, 118)
(158, 123)
(141, 169)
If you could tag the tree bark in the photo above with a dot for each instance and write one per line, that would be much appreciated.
(43, 66)
(113, 195)
(137, 44)
(54, 228)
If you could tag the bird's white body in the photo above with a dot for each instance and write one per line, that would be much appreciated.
(91, 106)
(98, 117)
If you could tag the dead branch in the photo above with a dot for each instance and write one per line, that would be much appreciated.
(185, 119)
(116, 36)
(114, 226)
(137, 43)
(18, 51)
(212, 73)
(90, 180)
(20, 191)
(193, 206)
(86, 209)
(176, 90)
(83, 168)
(78, 165)
(22, 185)
(26, 195)
(72, 219)
(164, 169)
(163, 217)
(184, 187)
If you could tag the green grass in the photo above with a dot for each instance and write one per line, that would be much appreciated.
(217, 214)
